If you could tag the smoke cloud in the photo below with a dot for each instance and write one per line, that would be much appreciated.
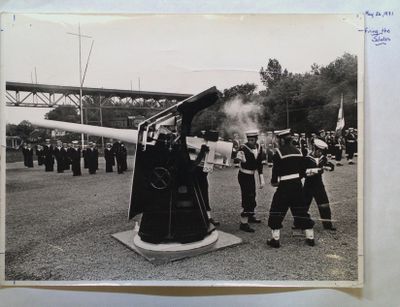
(241, 116)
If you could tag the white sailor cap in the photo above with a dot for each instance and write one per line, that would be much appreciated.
(351, 129)
(303, 134)
(251, 133)
(74, 142)
(283, 133)
(295, 134)
(320, 144)
(47, 140)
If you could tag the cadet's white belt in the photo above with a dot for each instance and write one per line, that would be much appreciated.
(247, 171)
(289, 177)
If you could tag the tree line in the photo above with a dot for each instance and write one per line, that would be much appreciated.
(305, 102)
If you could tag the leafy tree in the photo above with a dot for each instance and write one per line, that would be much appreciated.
(65, 114)
(243, 91)
(272, 74)
(312, 98)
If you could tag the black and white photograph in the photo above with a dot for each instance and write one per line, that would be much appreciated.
(183, 149)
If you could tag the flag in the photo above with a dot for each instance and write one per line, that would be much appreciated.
(340, 120)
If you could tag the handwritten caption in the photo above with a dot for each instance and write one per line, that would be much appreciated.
(378, 14)
(378, 35)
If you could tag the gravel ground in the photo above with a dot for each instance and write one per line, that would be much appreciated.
(59, 227)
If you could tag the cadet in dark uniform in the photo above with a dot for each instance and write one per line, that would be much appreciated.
(124, 156)
(270, 143)
(288, 169)
(350, 139)
(109, 157)
(60, 157)
(338, 143)
(356, 146)
(92, 158)
(85, 161)
(303, 144)
(250, 155)
(314, 187)
(118, 156)
(39, 154)
(27, 151)
(329, 140)
(48, 156)
(67, 162)
(75, 156)
(296, 140)
(202, 181)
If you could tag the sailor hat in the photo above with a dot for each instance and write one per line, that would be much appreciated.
(251, 133)
(75, 142)
(320, 144)
(283, 133)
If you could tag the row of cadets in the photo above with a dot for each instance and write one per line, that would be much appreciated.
(250, 155)
(288, 168)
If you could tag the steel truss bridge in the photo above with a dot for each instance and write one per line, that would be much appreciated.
(50, 96)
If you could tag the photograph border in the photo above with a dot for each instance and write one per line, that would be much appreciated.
(190, 283)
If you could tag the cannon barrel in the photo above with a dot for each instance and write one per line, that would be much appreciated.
(126, 135)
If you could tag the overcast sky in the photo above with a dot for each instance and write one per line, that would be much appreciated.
(170, 53)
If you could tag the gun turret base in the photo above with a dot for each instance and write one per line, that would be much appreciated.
(164, 253)
(176, 247)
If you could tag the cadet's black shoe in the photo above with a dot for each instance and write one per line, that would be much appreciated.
(214, 222)
(328, 226)
(273, 243)
(310, 242)
(246, 228)
(350, 163)
(254, 220)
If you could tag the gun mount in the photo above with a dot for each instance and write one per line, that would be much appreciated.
(165, 189)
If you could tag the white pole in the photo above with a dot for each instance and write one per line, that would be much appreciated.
(2, 150)
(80, 82)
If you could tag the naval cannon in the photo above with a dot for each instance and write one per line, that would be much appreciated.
(165, 190)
